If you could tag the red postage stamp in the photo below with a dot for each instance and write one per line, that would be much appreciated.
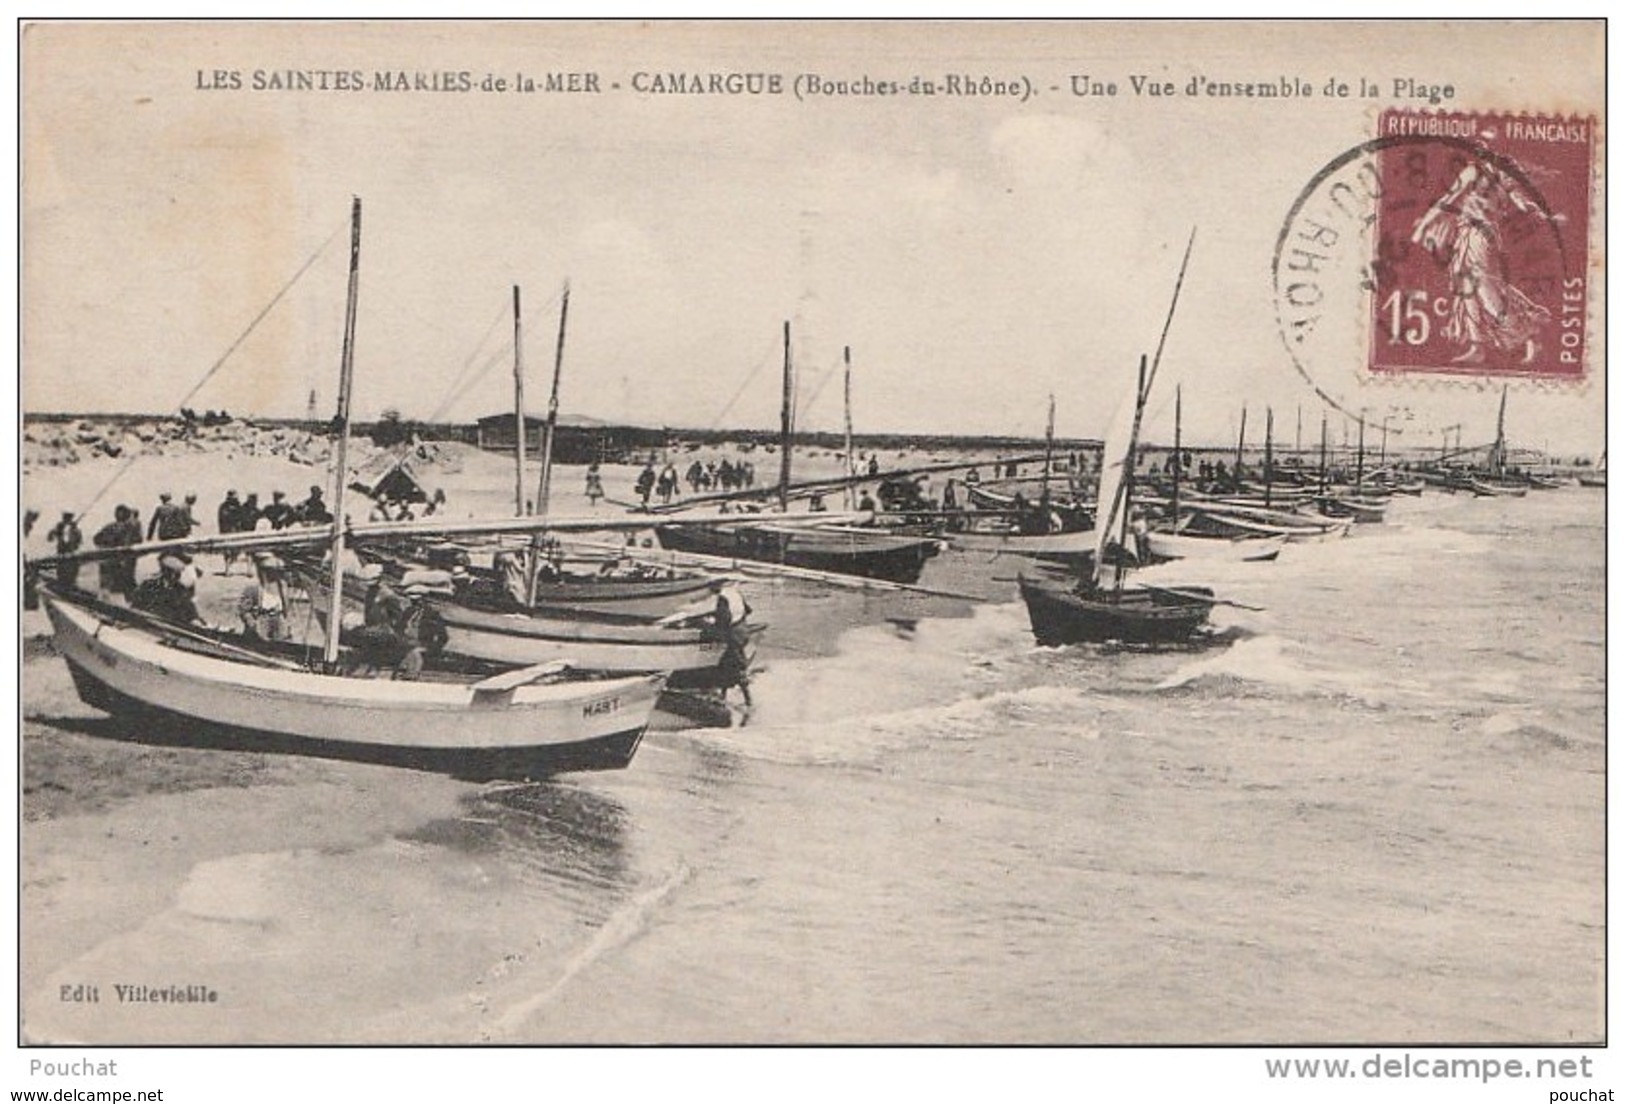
(1481, 240)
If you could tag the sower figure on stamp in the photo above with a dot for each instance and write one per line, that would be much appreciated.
(1463, 232)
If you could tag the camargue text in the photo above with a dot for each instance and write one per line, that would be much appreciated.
(816, 85)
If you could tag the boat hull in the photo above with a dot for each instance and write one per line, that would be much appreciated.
(1178, 546)
(1244, 524)
(527, 731)
(1042, 544)
(523, 639)
(1061, 615)
(631, 599)
(843, 551)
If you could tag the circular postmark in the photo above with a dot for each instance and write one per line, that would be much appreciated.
(1449, 248)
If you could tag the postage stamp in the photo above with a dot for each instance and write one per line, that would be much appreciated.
(1480, 245)
(1454, 246)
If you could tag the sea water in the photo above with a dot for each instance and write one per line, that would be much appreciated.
(1369, 810)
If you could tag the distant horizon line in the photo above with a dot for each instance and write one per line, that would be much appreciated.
(821, 437)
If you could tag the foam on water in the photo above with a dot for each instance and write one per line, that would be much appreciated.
(886, 686)
(1273, 663)
(865, 740)
(621, 928)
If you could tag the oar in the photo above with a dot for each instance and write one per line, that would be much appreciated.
(1208, 598)
(742, 565)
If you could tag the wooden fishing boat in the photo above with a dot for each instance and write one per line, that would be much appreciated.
(623, 591)
(1216, 520)
(872, 553)
(1100, 605)
(875, 552)
(514, 725)
(1180, 546)
(1078, 543)
(1360, 509)
(1496, 488)
(228, 693)
(1070, 612)
(1598, 475)
(622, 597)
(481, 625)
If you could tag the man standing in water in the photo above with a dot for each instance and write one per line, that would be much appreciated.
(730, 627)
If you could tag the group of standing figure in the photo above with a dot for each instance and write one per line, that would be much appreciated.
(724, 475)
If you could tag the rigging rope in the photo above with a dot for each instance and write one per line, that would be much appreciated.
(221, 361)
(464, 382)
(803, 407)
(754, 372)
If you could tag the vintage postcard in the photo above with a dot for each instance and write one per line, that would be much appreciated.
(772, 533)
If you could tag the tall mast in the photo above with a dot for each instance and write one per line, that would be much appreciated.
(1049, 452)
(544, 484)
(518, 411)
(1498, 458)
(1359, 461)
(851, 463)
(1116, 513)
(786, 425)
(1126, 490)
(1269, 453)
(335, 601)
(1241, 444)
(1179, 457)
(1323, 472)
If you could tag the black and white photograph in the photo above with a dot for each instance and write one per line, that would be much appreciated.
(1065, 537)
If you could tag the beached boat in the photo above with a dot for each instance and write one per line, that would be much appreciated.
(1101, 605)
(1063, 613)
(874, 552)
(1160, 546)
(1598, 475)
(1219, 520)
(516, 725)
(481, 625)
(619, 590)
(1496, 488)
(1048, 545)
(1065, 529)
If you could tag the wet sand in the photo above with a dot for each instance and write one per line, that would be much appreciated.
(119, 823)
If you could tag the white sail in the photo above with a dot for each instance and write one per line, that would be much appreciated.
(1111, 503)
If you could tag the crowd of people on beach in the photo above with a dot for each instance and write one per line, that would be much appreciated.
(396, 631)
(169, 593)
(701, 477)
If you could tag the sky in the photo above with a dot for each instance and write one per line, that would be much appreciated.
(977, 253)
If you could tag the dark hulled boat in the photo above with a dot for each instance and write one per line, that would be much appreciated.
(842, 549)
(1099, 604)
(1069, 612)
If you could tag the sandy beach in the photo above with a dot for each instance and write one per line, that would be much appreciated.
(121, 822)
